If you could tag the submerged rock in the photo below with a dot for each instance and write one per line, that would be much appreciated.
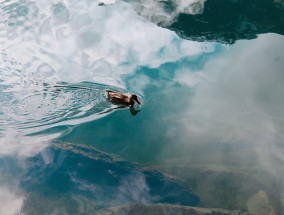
(260, 205)
(82, 176)
(224, 186)
(164, 209)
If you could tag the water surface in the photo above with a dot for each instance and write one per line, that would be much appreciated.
(209, 132)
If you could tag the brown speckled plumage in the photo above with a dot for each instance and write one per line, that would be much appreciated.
(122, 98)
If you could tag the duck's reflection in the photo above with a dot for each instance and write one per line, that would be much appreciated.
(132, 109)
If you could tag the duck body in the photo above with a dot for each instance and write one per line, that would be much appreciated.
(121, 98)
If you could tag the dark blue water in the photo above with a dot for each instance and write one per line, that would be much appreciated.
(209, 132)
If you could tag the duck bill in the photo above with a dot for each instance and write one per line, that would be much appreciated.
(137, 101)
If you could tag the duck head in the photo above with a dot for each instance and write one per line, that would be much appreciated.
(135, 98)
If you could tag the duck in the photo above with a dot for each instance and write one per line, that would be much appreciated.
(122, 98)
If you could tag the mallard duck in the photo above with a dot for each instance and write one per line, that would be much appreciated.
(122, 98)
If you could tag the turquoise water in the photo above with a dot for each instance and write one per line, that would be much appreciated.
(209, 132)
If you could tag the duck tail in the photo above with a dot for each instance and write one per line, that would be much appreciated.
(108, 91)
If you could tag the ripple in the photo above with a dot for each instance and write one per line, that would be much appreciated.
(44, 107)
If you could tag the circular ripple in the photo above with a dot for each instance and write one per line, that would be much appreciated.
(51, 106)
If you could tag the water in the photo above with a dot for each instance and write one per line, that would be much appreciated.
(209, 132)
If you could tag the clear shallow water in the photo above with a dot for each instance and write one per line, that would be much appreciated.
(211, 113)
